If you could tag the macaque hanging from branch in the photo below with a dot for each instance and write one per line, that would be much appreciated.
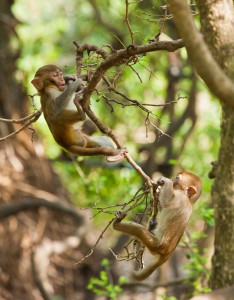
(62, 108)
(176, 199)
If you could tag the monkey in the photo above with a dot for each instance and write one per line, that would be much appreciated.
(176, 198)
(61, 101)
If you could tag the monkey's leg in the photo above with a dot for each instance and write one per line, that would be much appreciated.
(137, 230)
(105, 141)
(78, 150)
(78, 105)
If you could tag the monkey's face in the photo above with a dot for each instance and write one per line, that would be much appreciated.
(178, 182)
(57, 78)
(48, 75)
(189, 183)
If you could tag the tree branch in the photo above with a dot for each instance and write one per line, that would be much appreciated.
(121, 56)
(26, 121)
(10, 209)
(209, 70)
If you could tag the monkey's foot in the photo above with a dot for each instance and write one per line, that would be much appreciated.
(118, 157)
(120, 215)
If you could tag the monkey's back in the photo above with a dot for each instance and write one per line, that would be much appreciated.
(173, 222)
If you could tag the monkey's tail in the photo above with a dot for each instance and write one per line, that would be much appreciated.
(149, 269)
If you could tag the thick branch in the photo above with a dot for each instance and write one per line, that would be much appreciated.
(200, 55)
(121, 56)
(10, 209)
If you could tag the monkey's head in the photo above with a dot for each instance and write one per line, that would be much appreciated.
(48, 75)
(189, 183)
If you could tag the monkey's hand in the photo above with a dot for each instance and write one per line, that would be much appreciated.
(161, 181)
(77, 101)
(120, 215)
(69, 78)
(152, 224)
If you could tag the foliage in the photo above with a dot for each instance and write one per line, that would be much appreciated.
(94, 182)
(104, 285)
(196, 266)
(113, 186)
(163, 297)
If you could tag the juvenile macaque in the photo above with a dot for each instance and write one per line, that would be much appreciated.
(62, 107)
(176, 199)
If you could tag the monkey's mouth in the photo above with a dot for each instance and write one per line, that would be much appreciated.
(62, 87)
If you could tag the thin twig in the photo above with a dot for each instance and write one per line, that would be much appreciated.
(22, 120)
(126, 20)
(95, 245)
(35, 117)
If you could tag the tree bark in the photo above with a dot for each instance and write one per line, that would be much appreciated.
(207, 67)
(217, 19)
(218, 25)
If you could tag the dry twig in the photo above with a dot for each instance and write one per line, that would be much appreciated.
(26, 121)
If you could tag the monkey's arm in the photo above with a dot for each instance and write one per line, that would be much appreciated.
(63, 99)
(137, 230)
(69, 78)
(166, 192)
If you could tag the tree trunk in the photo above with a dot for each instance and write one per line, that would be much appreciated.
(217, 19)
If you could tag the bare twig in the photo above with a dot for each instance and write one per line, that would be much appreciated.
(95, 245)
(137, 200)
(162, 23)
(27, 121)
(126, 20)
(23, 120)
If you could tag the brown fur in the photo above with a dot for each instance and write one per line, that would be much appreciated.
(176, 199)
(65, 119)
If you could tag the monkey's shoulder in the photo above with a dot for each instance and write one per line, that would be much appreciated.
(52, 92)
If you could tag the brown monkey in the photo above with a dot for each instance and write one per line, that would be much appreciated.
(61, 106)
(176, 199)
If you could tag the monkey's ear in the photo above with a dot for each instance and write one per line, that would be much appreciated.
(37, 82)
(191, 190)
